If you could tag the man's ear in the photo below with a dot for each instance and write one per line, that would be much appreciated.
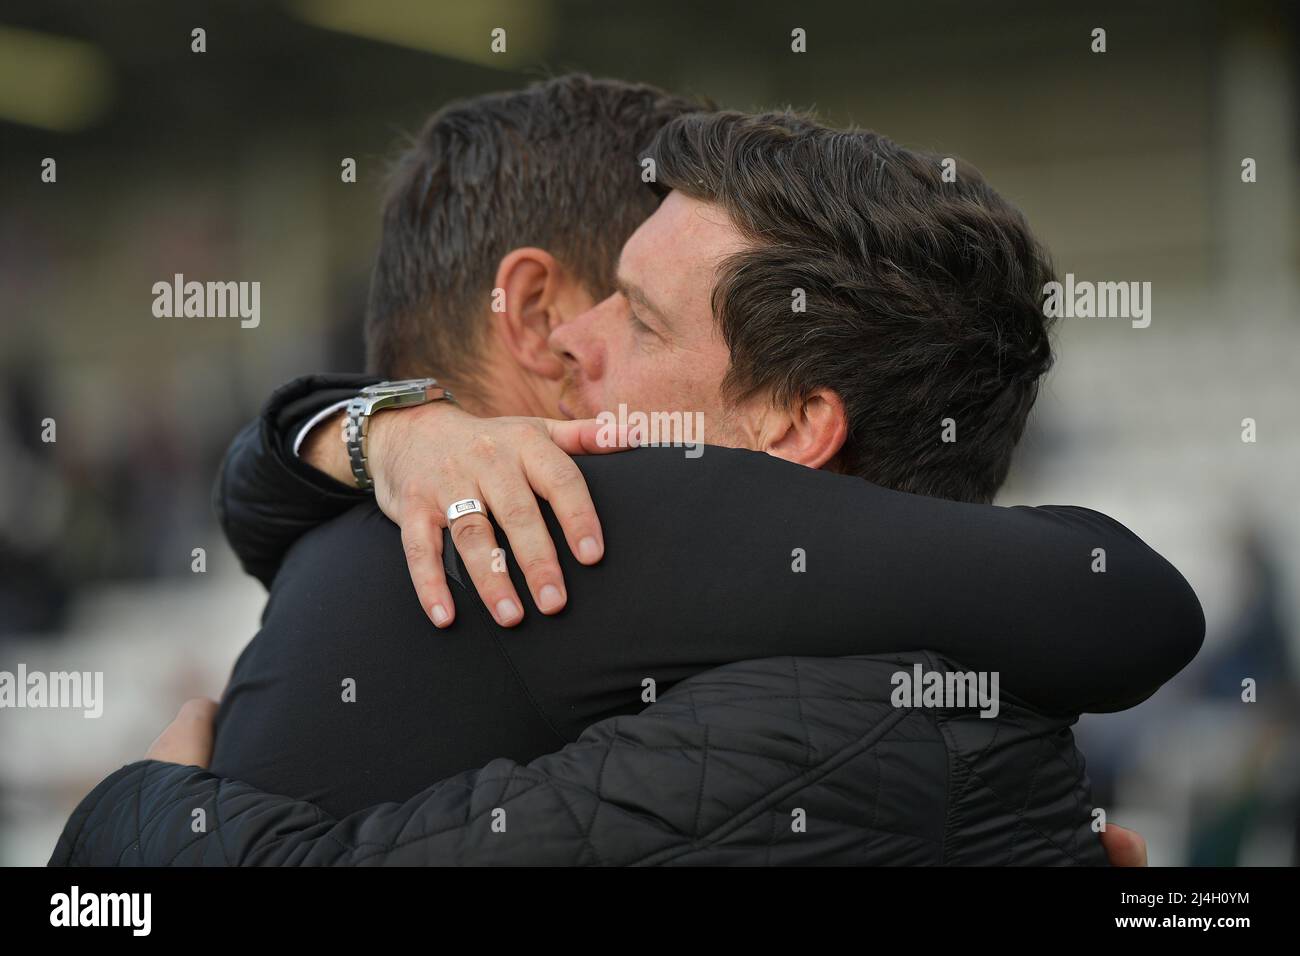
(811, 432)
(530, 287)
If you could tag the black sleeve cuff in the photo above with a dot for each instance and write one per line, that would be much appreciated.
(290, 407)
(265, 497)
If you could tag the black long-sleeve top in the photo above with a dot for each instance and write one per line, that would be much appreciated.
(702, 568)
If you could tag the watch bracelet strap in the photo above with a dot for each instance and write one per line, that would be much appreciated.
(356, 425)
(357, 420)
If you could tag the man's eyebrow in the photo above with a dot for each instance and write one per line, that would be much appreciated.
(636, 295)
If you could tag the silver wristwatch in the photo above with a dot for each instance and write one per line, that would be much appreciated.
(375, 398)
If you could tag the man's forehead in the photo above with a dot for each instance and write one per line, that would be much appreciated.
(683, 239)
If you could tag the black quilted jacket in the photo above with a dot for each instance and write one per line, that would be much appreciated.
(782, 761)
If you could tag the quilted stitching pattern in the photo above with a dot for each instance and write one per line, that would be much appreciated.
(710, 774)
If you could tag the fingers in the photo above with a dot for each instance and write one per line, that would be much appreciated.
(507, 463)
(422, 543)
(486, 563)
(513, 504)
(555, 477)
(589, 436)
(187, 740)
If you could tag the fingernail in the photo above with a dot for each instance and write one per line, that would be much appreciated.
(507, 610)
(440, 615)
(588, 550)
(550, 598)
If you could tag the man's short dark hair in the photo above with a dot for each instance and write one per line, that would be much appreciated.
(923, 297)
(554, 165)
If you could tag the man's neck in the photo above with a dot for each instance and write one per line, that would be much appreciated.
(502, 389)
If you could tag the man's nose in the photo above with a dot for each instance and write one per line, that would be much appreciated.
(578, 345)
(561, 342)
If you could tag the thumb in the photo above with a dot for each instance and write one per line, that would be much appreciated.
(589, 436)
(1123, 847)
(187, 739)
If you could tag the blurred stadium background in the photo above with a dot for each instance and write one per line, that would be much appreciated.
(226, 165)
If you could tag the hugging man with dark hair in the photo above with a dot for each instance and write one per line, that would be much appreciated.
(712, 652)
(490, 175)
(923, 296)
